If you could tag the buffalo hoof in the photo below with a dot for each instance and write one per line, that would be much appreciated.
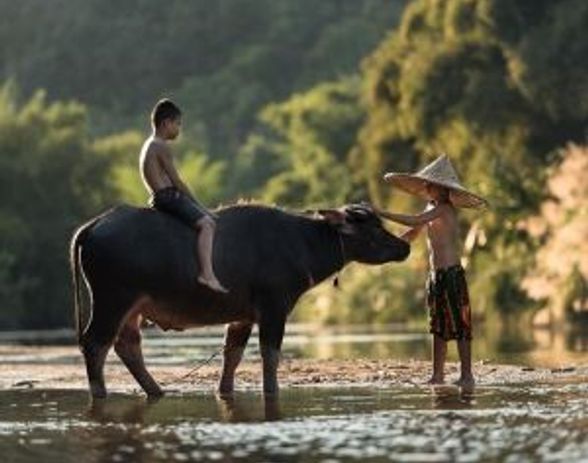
(155, 394)
(98, 391)
(272, 408)
(225, 391)
(271, 393)
(226, 385)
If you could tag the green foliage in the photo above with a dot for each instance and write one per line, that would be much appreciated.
(223, 60)
(203, 176)
(308, 138)
(274, 107)
(576, 294)
(392, 293)
(551, 68)
(49, 180)
(53, 177)
(559, 278)
(122, 150)
(455, 79)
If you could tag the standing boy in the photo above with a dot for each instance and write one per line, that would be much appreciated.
(447, 291)
(169, 193)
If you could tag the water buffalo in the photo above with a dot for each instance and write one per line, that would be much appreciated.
(139, 263)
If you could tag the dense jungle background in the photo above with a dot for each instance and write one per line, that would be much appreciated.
(304, 104)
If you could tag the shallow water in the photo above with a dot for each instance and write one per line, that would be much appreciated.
(517, 423)
(529, 423)
(533, 348)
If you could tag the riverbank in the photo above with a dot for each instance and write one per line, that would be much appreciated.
(329, 409)
(63, 368)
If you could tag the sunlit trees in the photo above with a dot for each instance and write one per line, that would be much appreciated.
(499, 86)
(50, 178)
(53, 176)
(307, 139)
(203, 176)
(560, 275)
(223, 59)
(276, 108)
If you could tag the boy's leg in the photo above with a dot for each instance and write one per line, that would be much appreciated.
(466, 379)
(205, 229)
(439, 352)
(460, 303)
(186, 209)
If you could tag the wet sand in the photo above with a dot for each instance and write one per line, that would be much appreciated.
(330, 409)
(63, 368)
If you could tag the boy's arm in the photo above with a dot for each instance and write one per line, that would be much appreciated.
(410, 234)
(167, 163)
(414, 220)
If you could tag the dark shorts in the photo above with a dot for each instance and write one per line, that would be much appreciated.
(449, 303)
(178, 204)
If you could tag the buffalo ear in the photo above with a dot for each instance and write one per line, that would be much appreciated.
(333, 216)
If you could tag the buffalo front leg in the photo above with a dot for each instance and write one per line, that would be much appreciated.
(271, 333)
(236, 337)
(128, 348)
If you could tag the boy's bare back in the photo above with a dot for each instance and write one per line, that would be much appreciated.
(155, 156)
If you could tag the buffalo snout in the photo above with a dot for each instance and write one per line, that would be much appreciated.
(401, 250)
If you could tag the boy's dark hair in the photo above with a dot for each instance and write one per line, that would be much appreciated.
(164, 109)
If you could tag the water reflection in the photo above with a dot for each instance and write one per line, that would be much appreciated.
(237, 408)
(232, 409)
(451, 398)
(529, 423)
(114, 410)
(501, 344)
(510, 345)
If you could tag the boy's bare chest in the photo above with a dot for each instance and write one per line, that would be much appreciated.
(441, 231)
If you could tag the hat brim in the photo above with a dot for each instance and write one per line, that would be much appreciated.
(413, 184)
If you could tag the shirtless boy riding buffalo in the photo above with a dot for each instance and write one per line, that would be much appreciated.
(139, 263)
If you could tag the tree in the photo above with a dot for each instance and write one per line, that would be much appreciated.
(475, 79)
(560, 277)
(53, 177)
(121, 150)
(50, 179)
(307, 139)
(222, 60)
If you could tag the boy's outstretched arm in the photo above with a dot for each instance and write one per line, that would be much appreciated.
(413, 220)
(410, 234)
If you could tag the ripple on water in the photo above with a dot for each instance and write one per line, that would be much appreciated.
(315, 424)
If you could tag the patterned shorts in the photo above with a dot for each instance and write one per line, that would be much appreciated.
(449, 303)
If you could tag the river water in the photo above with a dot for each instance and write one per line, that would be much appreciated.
(512, 423)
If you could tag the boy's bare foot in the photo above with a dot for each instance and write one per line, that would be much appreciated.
(213, 284)
(467, 383)
(435, 380)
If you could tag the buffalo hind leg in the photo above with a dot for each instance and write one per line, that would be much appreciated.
(109, 309)
(94, 357)
(128, 348)
(236, 337)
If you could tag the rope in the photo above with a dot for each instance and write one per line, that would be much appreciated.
(195, 369)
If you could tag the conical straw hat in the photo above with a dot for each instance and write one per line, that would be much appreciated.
(439, 172)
